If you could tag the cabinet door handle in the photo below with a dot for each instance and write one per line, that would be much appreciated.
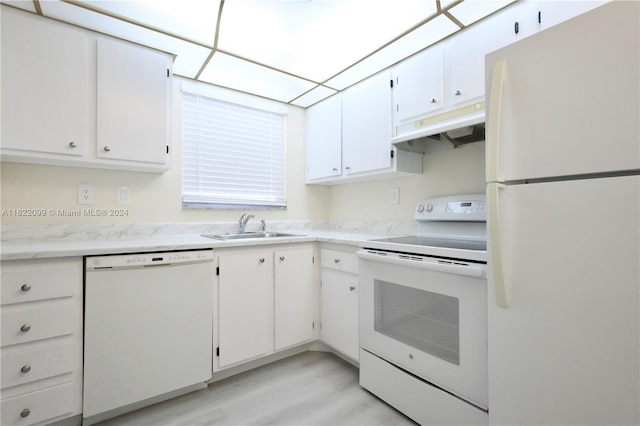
(25, 328)
(107, 148)
(25, 287)
(281, 258)
(347, 168)
(262, 260)
(335, 169)
(25, 368)
(458, 93)
(336, 260)
(351, 288)
(434, 101)
(25, 412)
(73, 144)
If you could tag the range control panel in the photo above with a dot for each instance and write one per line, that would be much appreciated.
(468, 208)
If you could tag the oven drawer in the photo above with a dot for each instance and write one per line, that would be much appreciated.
(417, 399)
(339, 261)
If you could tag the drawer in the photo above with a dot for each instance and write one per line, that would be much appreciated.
(38, 406)
(30, 285)
(37, 320)
(24, 367)
(339, 260)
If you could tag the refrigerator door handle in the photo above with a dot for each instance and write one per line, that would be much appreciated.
(501, 287)
(493, 125)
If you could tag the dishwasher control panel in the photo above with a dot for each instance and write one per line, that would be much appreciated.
(148, 259)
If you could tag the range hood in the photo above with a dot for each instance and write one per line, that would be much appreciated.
(449, 130)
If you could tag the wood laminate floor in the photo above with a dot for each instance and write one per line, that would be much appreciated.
(312, 388)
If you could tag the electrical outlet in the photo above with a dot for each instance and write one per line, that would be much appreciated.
(395, 195)
(86, 193)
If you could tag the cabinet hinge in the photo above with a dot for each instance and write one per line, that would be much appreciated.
(217, 270)
(218, 351)
(392, 154)
(391, 83)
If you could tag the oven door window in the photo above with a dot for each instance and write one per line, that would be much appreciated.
(427, 321)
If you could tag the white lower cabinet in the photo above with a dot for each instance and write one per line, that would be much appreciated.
(339, 305)
(41, 343)
(265, 302)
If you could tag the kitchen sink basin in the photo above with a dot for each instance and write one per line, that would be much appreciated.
(249, 235)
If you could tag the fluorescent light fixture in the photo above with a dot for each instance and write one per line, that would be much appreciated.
(189, 56)
(238, 74)
(425, 35)
(313, 96)
(471, 11)
(21, 4)
(193, 20)
(315, 39)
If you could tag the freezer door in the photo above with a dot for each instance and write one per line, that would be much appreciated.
(569, 98)
(566, 349)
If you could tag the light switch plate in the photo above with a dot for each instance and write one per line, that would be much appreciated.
(123, 194)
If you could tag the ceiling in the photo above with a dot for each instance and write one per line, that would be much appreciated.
(293, 51)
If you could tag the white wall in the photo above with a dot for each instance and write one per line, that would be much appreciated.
(454, 172)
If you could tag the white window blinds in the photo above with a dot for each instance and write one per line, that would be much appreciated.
(233, 156)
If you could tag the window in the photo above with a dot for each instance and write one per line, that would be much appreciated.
(233, 156)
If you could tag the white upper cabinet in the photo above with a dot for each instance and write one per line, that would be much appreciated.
(133, 90)
(324, 139)
(466, 58)
(366, 125)
(349, 136)
(418, 85)
(46, 103)
(73, 97)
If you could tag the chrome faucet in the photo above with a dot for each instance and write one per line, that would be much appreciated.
(243, 221)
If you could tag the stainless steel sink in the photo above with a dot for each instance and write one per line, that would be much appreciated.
(250, 235)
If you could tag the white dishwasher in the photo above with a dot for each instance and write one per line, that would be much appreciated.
(148, 328)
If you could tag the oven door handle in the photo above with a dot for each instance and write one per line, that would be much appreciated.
(432, 265)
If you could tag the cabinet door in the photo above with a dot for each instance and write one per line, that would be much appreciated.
(133, 102)
(339, 312)
(293, 297)
(418, 85)
(466, 51)
(324, 139)
(46, 97)
(366, 125)
(245, 301)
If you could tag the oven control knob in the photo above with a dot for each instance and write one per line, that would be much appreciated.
(420, 208)
(429, 208)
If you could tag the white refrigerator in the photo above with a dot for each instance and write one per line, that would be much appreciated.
(563, 189)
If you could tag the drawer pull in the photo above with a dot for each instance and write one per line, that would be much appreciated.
(26, 368)
(281, 258)
(25, 328)
(25, 412)
(336, 260)
(25, 287)
(261, 260)
(351, 288)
